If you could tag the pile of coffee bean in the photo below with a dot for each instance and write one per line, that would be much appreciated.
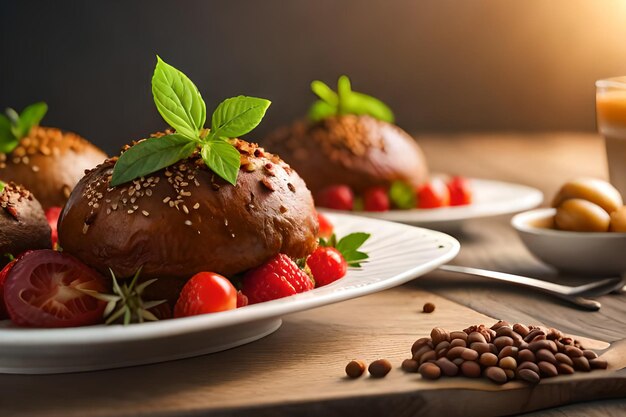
(500, 353)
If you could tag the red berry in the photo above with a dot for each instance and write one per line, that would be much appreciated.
(338, 197)
(279, 277)
(242, 300)
(3, 275)
(460, 191)
(44, 289)
(327, 265)
(52, 214)
(376, 199)
(205, 292)
(326, 227)
(433, 194)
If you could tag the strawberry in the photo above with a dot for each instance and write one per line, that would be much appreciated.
(376, 199)
(52, 215)
(330, 261)
(242, 300)
(338, 197)
(279, 277)
(3, 275)
(433, 194)
(460, 191)
(326, 227)
(327, 265)
(205, 292)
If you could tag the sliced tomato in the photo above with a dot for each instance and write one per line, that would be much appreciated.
(460, 191)
(43, 289)
(433, 194)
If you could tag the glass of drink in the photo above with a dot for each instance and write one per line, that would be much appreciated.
(611, 116)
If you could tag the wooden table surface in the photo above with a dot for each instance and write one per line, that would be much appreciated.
(299, 369)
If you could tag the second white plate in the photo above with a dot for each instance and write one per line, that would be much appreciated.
(491, 198)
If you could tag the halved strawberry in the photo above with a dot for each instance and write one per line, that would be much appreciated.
(326, 227)
(44, 288)
(433, 194)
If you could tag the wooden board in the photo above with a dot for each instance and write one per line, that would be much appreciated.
(299, 370)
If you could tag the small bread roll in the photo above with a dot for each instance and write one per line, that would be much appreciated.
(594, 190)
(578, 215)
(618, 220)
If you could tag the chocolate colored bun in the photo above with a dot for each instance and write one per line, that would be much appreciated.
(23, 224)
(49, 163)
(184, 219)
(358, 151)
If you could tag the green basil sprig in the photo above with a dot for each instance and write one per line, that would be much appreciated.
(180, 104)
(2, 187)
(346, 101)
(14, 126)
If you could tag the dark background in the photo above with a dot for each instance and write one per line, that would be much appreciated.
(442, 65)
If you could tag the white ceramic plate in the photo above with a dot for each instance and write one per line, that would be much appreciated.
(491, 198)
(398, 253)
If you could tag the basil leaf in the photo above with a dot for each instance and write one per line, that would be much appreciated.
(178, 100)
(324, 92)
(8, 141)
(354, 258)
(237, 116)
(223, 159)
(352, 242)
(31, 116)
(150, 156)
(321, 110)
(402, 195)
(2, 187)
(359, 103)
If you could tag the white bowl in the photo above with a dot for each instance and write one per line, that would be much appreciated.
(583, 253)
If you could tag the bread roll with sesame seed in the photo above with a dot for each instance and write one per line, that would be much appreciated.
(358, 151)
(184, 219)
(23, 224)
(49, 163)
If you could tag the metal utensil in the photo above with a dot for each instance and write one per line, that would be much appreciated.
(573, 295)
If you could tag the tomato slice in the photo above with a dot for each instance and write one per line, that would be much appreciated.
(43, 290)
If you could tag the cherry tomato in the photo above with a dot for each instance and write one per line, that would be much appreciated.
(43, 289)
(205, 292)
(460, 191)
(433, 194)
(376, 199)
(338, 197)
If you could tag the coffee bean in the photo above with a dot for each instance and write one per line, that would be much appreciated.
(448, 367)
(505, 331)
(559, 346)
(421, 351)
(496, 374)
(476, 337)
(469, 355)
(539, 337)
(488, 359)
(503, 341)
(522, 345)
(500, 323)
(410, 365)
(458, 361)
(567, 340)
(563, 358)
(470, 369)
(355, 368)
(458, 342)
(564, 369)
(554, 334)
(598, 363)
(547, 369)
(521, 329)
(379, 368)
(590, 354)
(438, 335)
(429, 356)
(507, 363)
(581, 364)
(573, 352)
(442, 345)
(424, 341)
(428, 308)
(480, 347)
(526, 355)
(489, 335)
(510, 374)
(529, 376)
(429, 371)
(528, 365)
(511, 351)
(542, 344)
(532, 334)
(545, 355)
(458, 335)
